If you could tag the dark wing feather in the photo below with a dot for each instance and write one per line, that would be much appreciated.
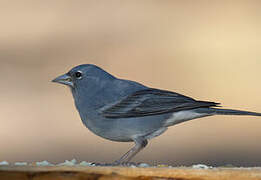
(152, 102)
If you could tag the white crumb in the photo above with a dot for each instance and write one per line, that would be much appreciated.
(68, 163)
(20, 163)
(84, 163)
(4, 163)
(201, 166)
(143, 165)
(43, 163)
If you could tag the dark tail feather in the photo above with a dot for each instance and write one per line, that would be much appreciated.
(232, 112)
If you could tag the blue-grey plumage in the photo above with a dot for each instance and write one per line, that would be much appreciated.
(123, 110)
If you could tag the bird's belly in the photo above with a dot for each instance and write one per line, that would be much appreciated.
(127, 129)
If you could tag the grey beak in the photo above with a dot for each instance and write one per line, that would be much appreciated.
(64, 79)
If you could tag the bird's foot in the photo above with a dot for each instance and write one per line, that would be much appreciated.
(122, 164)
(127, 164)
(102, 164)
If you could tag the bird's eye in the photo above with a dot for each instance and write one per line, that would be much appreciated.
(78, 74)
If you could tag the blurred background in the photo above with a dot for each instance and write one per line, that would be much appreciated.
(209, 50)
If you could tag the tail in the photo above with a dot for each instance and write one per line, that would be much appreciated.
(215, 111)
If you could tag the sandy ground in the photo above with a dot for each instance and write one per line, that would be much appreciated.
(83, 172)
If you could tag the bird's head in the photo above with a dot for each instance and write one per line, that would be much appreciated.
(83, 75)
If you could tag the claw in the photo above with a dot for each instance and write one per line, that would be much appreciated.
(122, 164)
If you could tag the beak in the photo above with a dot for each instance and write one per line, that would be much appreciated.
(64, 79)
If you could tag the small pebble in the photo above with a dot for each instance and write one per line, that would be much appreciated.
(20, 163)
(84, 163)
(43, 163)
(68, 163)
(4, 163)
(201, 166)
(142, 165)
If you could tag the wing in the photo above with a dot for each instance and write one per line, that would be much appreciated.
(152, 102)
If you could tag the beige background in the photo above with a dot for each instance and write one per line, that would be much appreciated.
(209, 50)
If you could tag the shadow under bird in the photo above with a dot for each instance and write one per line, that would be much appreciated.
(123, 110)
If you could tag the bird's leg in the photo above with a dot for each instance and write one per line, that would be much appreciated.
(140, 143)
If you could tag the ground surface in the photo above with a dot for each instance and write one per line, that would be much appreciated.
(87, 172)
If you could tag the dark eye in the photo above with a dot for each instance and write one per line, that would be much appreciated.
(78, 74)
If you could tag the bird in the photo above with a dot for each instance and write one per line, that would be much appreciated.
(127, 111)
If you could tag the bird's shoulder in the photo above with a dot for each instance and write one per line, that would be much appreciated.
(126, 87)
